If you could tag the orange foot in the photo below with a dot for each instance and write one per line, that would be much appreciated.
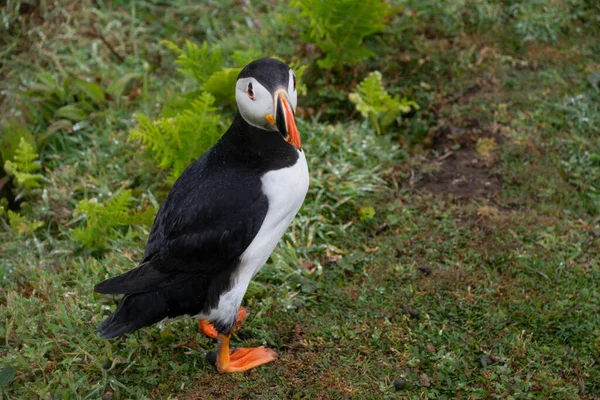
(241, 359)
(209, 330)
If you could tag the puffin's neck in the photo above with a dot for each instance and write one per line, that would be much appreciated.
(259, 147)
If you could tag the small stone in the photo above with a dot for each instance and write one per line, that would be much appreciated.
(399, 384)
(424, 380)
(211, 357)
(426, 270)
(412, 313)
(107, 396)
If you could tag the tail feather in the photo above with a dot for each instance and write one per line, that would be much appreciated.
(135, 311)
(144, 278)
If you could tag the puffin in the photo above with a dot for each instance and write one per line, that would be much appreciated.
(221, 221)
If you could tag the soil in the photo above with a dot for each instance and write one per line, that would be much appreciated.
(462, 172)
(457, 168)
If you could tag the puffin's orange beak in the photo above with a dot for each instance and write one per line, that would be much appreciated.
(284, 120)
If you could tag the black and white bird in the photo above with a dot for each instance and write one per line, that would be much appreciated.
(221, 221)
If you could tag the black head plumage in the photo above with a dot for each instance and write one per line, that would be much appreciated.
(270, 72)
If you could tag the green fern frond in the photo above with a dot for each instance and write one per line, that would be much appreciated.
(114, 209)
(374, 103)
(22, 225)
(90, 237)
(177, 141)
(11, 133)
(145, 217)
(221, 85)
(340, 26)
(25, 157)
(103, 218)
(244, 57)
(198, 63)
(24, 165)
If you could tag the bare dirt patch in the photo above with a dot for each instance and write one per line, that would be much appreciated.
(456, 164)
(457, 169)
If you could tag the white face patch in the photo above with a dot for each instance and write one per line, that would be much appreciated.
(255, 110)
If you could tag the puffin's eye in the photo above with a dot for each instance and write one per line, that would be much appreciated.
(294, 76)
(250, 91)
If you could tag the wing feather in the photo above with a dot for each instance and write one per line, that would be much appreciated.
(204, 225)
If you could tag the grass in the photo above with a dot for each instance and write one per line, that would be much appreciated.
(457, 253)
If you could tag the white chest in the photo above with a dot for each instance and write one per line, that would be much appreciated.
(285, 189)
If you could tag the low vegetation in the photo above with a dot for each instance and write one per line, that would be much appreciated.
(448, 246)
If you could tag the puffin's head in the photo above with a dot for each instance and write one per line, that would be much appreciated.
(266, 97)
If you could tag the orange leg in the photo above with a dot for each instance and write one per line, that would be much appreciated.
(209, 330)
(241, 359)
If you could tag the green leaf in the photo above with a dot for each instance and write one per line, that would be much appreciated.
(245, 57)
(366, 213)
(374, 103)
(7, 375)
(12, 132)
(90, 89)
(198, 63)
(176, 141)
(25, 156)
(71, 112)
(340, 26)
(221, 84)
(23, 166)
(47, 83)
(59, 125)
(117, 87)
(22, 225)
(103, 218)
